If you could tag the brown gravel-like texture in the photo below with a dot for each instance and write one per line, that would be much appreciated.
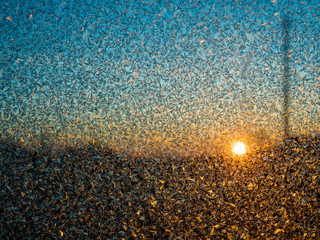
(94, 194)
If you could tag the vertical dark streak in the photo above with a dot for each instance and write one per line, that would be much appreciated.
(286, 74)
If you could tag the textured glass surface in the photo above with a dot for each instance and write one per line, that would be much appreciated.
(181, 77)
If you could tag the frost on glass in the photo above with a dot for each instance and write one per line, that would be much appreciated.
(156, 77)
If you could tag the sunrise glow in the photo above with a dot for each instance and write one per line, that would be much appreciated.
(239, 148)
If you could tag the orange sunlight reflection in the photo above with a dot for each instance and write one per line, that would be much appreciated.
(239, 148)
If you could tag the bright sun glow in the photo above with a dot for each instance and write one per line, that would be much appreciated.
(239, 148)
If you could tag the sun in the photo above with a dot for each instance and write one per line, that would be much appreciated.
(239, 148)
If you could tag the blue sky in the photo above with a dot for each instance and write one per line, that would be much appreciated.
(133, 71)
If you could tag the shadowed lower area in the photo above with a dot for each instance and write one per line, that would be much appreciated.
(92, 193)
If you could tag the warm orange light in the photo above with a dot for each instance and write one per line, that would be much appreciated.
(239, 148)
